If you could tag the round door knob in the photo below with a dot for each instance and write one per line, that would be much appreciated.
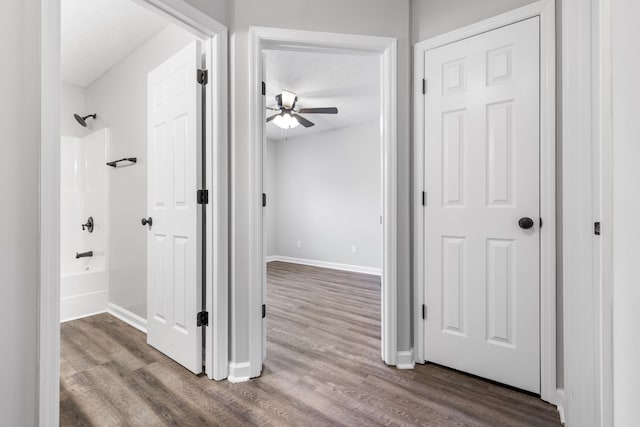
(147, 221)
(525, 223)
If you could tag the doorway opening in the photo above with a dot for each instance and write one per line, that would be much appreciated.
(322, 210)
(265, 42)
(140, 130)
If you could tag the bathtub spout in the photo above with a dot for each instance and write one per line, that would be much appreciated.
(84, 254)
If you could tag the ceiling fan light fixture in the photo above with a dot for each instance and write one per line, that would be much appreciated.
(285, 121)
(288, 99)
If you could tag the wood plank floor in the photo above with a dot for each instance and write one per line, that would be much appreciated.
(323, 368)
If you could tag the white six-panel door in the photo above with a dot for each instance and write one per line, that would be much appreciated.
(173, 269)
(481, 177)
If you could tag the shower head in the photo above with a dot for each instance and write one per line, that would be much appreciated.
(83, 120)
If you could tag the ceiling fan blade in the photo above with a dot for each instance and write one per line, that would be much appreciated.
(272, 117)
(273, 109)
(304, 122)
(279, 100)
(327, 110)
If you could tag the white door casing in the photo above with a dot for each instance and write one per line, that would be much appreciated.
(482, 174)
(174, 243)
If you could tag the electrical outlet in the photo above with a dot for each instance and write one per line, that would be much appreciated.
(299, 244)
(354, 249)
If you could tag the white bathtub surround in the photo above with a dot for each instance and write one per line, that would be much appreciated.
(83, 293)
(84, 283)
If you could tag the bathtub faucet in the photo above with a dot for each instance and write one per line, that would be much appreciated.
(84, 254)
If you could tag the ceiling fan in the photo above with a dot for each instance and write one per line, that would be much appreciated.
(289, 117)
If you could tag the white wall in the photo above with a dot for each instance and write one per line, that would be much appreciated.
(217, 9)
(119, 98)
(19, 216)
(270, 188)
(370, 17)
(328, 196)
(72, 101)
(626, 210)
(432, 17)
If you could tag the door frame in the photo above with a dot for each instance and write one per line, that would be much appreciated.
(215, 36)
(545, 9)
(285, 39)
(588, 187)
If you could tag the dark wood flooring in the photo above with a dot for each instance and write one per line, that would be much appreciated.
(323, 368)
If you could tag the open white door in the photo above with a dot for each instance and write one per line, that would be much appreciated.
(482, 177)
(174, 244)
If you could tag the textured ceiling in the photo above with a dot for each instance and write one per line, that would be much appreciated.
(98, 34)
(349, 82)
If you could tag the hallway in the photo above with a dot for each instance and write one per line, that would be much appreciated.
(323, 367)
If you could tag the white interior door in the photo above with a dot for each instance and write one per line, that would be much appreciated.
(482, 269)
(174, 246)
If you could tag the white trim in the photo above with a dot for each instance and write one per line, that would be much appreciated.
(49, 269)
(83, 305)
(561, 414)
(560, 405)
(405, 360)
(545, 9)
(586, 124)
(203, 26)
(217, 301)
(128, 317)
(326, 264)
(239, 372)
(95, 313)
(273, 38)
(186, 16)
(603, 186)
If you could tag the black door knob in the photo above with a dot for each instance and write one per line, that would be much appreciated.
(525, 223)
(147, 221)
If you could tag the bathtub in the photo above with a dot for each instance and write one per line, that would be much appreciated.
(84, 289)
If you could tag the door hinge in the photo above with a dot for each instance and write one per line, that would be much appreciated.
(264, 311)
(203, 197)
(264, 89)
(203, 77)
(203, 318)
(424, 198)
(264, 200)
(596, 228)
(540, 222)
(424, 311)
(424, 86)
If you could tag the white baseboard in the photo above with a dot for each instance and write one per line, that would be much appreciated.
(83, 305)
(560, 404)
(324, 264)
(239, 372)
(405, 360)
(128, 317)
(82, 316)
